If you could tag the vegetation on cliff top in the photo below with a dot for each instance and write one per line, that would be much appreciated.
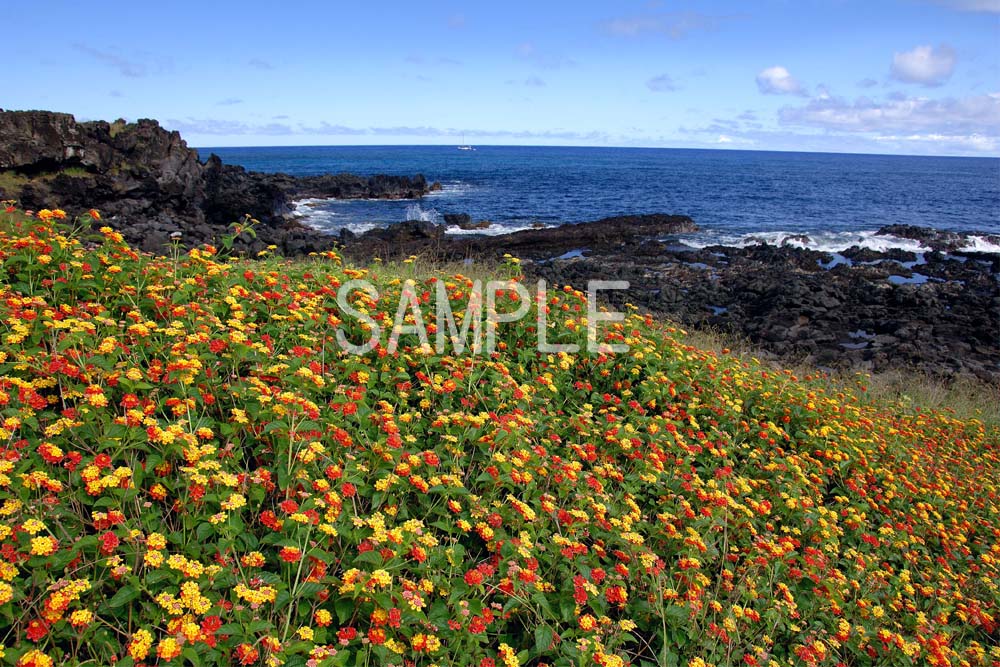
(193, 472)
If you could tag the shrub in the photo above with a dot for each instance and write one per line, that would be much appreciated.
(193, 472)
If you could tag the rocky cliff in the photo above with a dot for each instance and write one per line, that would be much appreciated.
(148, 184)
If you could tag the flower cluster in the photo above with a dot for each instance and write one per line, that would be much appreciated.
(193, 471)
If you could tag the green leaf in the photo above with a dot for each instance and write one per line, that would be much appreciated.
(543, 638)
(372, 557)
(342, 658)
(310, 588)
(124, 595)
(344, 608)
(204, 531)
(258, 627)
(192, 656)
(543, 602)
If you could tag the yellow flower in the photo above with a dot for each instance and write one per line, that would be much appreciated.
(6, 592)
(43, 546)
(35, 658)
(32, 526)
(81, 618)
(509, 657)
(168, 649)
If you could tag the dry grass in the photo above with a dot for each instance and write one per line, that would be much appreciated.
(419, 268)
(911, 390)
(965, 397)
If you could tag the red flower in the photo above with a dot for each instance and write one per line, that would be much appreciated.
(211, 624)
(50, 453)
(247, 654)
(288, 506)
(109, 542)
(37, 629)
(268, 518)
(617, 595)
(290, 554)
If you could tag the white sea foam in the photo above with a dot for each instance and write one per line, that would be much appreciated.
(980, 244)
(417, 212)
(823, 241)
(450, 189)
(306, 207)
(312, 213)
(492, 230)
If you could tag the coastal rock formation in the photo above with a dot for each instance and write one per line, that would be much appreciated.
(937, 312)
(607, 236)
(148, 184)
(935, 239)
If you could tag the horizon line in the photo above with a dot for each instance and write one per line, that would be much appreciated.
(669, 148)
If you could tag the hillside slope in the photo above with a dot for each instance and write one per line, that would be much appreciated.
(194, 472)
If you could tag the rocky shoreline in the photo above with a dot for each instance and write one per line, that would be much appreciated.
(148, 184)
(936, 311)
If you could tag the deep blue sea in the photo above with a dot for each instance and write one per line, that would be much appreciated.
(734, 196)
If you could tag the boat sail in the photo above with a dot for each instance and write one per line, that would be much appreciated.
(465, 146)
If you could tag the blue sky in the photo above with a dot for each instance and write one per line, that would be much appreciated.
(913, 76)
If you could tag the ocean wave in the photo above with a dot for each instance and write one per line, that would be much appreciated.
(418, 212)
(493, 230)
(980, 244)
(821, 241)
(450, 189)
(307, 206)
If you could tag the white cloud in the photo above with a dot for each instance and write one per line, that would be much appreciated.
(728, 140)
(924, 65)
(531, 82)
(661, 84)
(541, 59)
(986, 6)
(964, 142)
(900, 115)
(674, 25)
(125, 67)
(778, 81)
(221, 127)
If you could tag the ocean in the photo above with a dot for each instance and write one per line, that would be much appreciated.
(821, 200)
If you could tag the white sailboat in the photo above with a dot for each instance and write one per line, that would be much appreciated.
(465, 146)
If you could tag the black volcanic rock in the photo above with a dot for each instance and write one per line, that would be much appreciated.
(779, 297)
(464, 221)
(349, 186)
(147, 183)
(605, 236)
(936, 239)
(461, 220)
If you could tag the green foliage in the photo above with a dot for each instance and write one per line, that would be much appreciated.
(195, 471)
